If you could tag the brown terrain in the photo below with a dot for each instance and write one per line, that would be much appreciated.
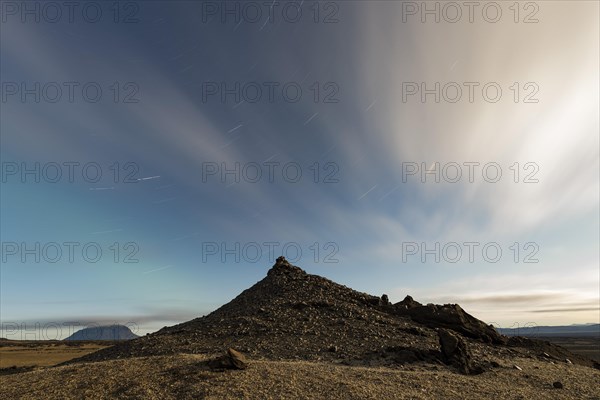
(297, 335)
(23, 353)
(585, 346)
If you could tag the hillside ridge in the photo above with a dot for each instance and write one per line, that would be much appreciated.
(293, 315)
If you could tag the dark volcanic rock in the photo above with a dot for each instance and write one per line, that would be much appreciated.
(449, 316)
(238, 360)
(232, 360)
(455, 352)
(449, 343)
(408, 302)
(385, 300)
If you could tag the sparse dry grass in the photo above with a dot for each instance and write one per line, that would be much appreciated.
(42, 354)
(187, 377)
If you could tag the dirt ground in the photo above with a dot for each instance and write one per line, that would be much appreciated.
(187, 376)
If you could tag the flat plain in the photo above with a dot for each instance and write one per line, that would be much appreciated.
(17, 353)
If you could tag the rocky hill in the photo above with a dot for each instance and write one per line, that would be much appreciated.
(292, 315)
(300, 336)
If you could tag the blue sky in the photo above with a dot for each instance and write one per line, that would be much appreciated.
(170, 138)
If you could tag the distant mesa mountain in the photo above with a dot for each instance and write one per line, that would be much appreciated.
(292, 315)
(109, 332)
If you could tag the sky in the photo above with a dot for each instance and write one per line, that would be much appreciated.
(157, 157)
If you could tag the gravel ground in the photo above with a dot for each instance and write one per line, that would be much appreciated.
(188, 377)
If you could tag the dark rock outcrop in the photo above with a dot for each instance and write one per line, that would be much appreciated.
(385, 300)
(407, 303)
(455, 352)
(449, 316)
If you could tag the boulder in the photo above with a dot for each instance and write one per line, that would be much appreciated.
(407, 303)
(232, 360)
(238, 360)
(385, 300)
(455, 352)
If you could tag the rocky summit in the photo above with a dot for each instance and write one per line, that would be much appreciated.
(291, 315)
